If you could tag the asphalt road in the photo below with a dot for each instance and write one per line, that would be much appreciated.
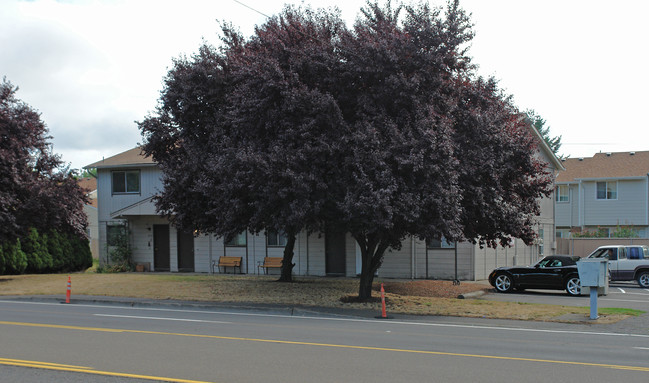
(225, 345)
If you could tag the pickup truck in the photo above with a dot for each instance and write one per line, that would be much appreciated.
(626, 263)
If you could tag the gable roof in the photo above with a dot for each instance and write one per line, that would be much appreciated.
(89, 185)
(545, 149)
(606, 165)
(131, 157)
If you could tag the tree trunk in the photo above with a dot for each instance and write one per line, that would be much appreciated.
(287, 261)
(372, 251)
(365, 287)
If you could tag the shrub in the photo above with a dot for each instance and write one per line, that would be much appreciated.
(39, 259)
(13, 258)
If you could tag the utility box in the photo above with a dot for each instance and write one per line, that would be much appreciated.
(593, 273)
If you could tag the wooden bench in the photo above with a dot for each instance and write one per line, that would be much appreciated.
(271, 263)
(226, 262)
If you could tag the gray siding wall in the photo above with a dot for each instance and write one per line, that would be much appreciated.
(487, 259)
(630, 207)
(566, 212)
(150, 183)
(441, 262)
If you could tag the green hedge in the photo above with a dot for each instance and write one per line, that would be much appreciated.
(50, 252)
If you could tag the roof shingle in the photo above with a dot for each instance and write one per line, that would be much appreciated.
(128, 158)
(606, 165)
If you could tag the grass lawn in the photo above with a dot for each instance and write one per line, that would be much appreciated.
(423, 297)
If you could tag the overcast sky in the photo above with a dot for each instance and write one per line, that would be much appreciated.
(93, 68)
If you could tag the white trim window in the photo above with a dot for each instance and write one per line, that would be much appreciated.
(275, 238)
(607, 190)
(126, 182)
(562, 193)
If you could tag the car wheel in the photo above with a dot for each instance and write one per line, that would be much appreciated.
(503, 283)
(643, 279)
(573, 286)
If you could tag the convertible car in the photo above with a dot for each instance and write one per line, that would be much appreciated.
(556, 272)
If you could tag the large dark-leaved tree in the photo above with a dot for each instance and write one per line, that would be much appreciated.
(382, 130)
(399, 174)
(246, 135)
(36, 190)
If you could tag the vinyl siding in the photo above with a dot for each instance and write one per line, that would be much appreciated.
(488, 259)
(630, 207)
(441, 262)
(150, 183)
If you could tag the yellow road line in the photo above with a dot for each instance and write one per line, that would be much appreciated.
(5, 360)
(87, 370)
(620, 367)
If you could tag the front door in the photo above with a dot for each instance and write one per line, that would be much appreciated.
(161, 247)
(334, 251)
(186, 251)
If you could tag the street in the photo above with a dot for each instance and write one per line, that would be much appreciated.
(209, 345)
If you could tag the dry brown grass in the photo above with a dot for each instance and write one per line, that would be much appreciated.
(405, 297)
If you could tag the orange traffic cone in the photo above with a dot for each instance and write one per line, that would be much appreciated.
(67, 294)
(384, 315)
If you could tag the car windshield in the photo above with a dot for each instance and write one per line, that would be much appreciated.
(549, 262)
(610, 254)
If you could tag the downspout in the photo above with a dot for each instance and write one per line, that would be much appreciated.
(456, 281)
(579, 207)
(646, 210)
(299, 263)
(211, 267)
(247, 261)
(412, 257)
(254, 251)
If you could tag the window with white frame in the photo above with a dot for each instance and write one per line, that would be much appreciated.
(562, 193)
(275, 238)
(126, 182)
(607, 190)
(238, 240)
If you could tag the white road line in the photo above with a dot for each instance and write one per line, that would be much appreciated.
(374, 321)
(641, 348)
(621, 290)
(158, 318)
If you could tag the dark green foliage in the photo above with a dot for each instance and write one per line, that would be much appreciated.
(119, 253)
(39, 259)
(539, 124)
(81, 255)
(45, 253)
(12, 259)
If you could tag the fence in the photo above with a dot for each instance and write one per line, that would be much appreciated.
(584, 246)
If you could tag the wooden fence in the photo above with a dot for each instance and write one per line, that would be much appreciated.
(584, 246)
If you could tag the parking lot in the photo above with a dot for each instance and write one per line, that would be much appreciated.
(620, 294)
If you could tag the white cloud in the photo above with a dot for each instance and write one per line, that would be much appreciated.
(93, 67)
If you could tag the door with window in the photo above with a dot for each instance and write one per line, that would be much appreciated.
(161, 247)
